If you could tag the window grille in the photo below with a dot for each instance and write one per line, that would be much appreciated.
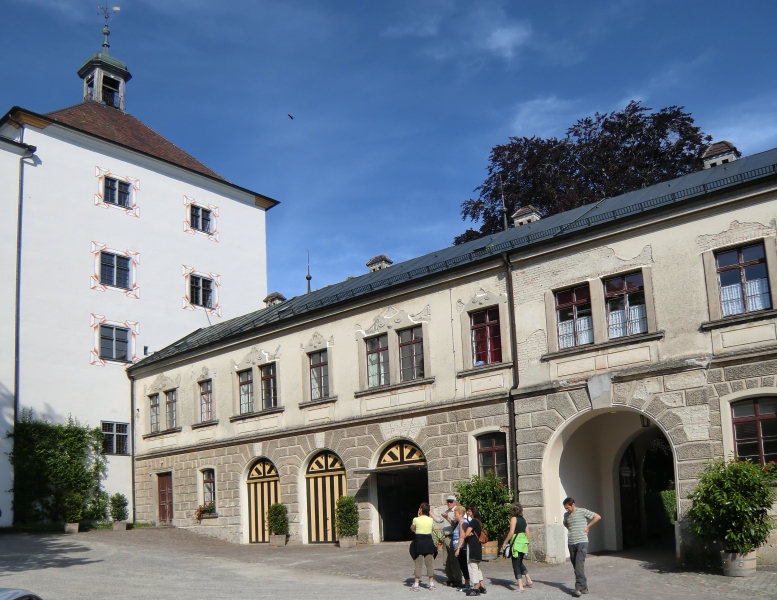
(115, 438)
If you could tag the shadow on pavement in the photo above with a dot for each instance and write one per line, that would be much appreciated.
(559, 586)
(29, 552)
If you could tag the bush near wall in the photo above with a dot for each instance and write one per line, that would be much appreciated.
(493, 499)
(277, 519)
(347, 516)
(51, 461)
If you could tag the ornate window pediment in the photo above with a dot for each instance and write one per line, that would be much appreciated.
(391, 318)
(257, 356)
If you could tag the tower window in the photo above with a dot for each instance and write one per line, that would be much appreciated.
(111, 92)
(90, 88)
(116, 192)
(201, 291)
(200, 218)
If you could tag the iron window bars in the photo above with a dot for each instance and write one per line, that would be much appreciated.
(115, 438)
(486, 340)
(575, 322)
(319, 375)
(755, 429)
(411, 354)
(115, 270)
(626, 310)
(742, 279)
(377, 361)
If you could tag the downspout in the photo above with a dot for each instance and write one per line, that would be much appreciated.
(514, 352)
(132, 442)
(30, 152)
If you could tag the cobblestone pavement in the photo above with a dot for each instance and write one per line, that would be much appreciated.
(171, 563)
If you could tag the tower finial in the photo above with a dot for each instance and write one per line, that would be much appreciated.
(107, 13)
(308, 277)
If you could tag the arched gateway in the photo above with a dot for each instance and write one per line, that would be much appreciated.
(325, 482)
(402, 485)
(263, 484)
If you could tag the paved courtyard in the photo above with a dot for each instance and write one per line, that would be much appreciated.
(171, 563)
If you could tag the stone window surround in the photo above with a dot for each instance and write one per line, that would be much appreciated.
(162, 384)
(317, 343)
(253, 362)
(205, 375)
(472, 449)
(726, 422)
(476, 304)
(201, 481)
(711, 278)
(393, 325)
(599, 311)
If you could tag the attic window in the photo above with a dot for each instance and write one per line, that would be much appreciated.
(111, 92)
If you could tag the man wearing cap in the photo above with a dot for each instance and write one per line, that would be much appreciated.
(452, 567)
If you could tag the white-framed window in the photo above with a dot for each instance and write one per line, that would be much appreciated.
(115, 438)
(202, 291)
(201, 219)
(114, 341)
(115, 270)
(116, 191)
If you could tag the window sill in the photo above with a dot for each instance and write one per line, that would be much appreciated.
(116, 361)
(156, 434)
(624, 341)
(203, 424)
(484, 369)
(310, 403)
(259, 413)
(395, 386)
(213, 515)
(737, 319)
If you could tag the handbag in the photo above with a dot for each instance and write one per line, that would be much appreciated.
(507, 550)
(483, 537)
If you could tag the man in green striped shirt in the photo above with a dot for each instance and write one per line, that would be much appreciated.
(578, 521)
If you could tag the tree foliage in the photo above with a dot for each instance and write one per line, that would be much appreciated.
(52, 461)
(493, 499)
(600, 157)
(731, 503)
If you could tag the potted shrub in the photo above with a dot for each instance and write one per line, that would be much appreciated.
(205, 510)
(73, 509)
(278, 524)
(119, 512)
(347, 521)
(493, 499)
(730, 507)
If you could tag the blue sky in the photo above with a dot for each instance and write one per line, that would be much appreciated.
(396, 104)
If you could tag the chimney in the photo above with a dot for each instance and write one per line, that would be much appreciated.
(720, 153)
(273, 299)
(381, 261)
(526, 214)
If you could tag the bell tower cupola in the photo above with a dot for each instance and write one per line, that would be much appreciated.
(105, 77)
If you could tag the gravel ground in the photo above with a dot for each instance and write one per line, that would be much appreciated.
(171, 563)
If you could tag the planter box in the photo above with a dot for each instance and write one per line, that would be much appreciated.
(738, 565)
(348, 541)
(491, 550)
(71, 527)
(278, 540)
(120, 525)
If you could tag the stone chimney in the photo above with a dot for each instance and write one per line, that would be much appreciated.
(273, 299)
(525, 214)
(720, 153)
(381, 261)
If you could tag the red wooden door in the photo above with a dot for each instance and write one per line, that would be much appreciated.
(165, 484)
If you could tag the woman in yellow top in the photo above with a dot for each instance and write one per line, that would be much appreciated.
(423, 550)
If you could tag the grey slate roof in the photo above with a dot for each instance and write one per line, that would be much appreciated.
(745, 170)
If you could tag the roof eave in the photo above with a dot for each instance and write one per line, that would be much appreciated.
(41, 122)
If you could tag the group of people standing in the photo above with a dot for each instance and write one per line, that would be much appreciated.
(463, 545)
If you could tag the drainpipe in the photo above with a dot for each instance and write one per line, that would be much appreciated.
(132, 441)
(30, 152)
(514, 351)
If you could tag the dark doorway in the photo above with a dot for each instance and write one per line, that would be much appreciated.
(165, 485)
(660, 497)
(629, 487)
(399, 496)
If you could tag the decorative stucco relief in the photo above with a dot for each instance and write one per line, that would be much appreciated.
(163, 383)
(391, 318)
(482, 296)
(257, 356)
(213, 234)
(530, 283)
(132, 207)
(204, 374)
(737, 232)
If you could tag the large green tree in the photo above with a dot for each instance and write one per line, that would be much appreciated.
(600, 157)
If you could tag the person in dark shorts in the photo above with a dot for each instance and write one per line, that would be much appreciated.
(578, 522)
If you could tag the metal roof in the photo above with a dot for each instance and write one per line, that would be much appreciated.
(746, 170)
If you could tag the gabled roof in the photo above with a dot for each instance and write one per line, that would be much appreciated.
(120, 128)
(721, 147)
(568, 224)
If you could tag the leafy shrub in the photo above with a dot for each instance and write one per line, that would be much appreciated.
(278, 519)
(493, 499)
(97, 507)
(73, 507)
(730, 504)
(50, 460)
(119, 507)
(347, 516)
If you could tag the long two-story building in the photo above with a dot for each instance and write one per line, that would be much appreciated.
(564, 354)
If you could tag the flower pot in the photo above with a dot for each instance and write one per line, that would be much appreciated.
(278, 540)
(120, 525)
(738, 565)
(491, 550)
(348, 541)
(71, 527)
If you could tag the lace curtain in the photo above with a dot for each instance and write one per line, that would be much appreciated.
(620, 325)
(566, 332)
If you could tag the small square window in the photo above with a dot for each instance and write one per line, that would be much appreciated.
(200, 218)
(743, 280)
(116, 192)
(201, 291)
(115, 270)
(486, 337)
(114, 343)
(115, 438)
(626, 309)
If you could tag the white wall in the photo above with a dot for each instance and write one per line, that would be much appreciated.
(61, 221)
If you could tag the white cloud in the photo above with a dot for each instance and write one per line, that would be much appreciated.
(751, 125)
(504, 41)
(544, 116)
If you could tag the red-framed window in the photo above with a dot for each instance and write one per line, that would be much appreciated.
(575, 321)
(742, 280)
(492, 454)
(626, 310)
(486, 338)
(411, 354)
(208, 486)
(755, 429)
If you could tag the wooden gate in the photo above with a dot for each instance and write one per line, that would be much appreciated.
(165, 485)
(325, 484)
(263, 484)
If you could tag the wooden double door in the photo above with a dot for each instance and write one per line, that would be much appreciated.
(325, 481)
(165, 487)
(263, 490)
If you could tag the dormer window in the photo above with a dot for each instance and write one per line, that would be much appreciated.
(110, 92)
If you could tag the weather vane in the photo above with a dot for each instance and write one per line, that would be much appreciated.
(107, 12)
